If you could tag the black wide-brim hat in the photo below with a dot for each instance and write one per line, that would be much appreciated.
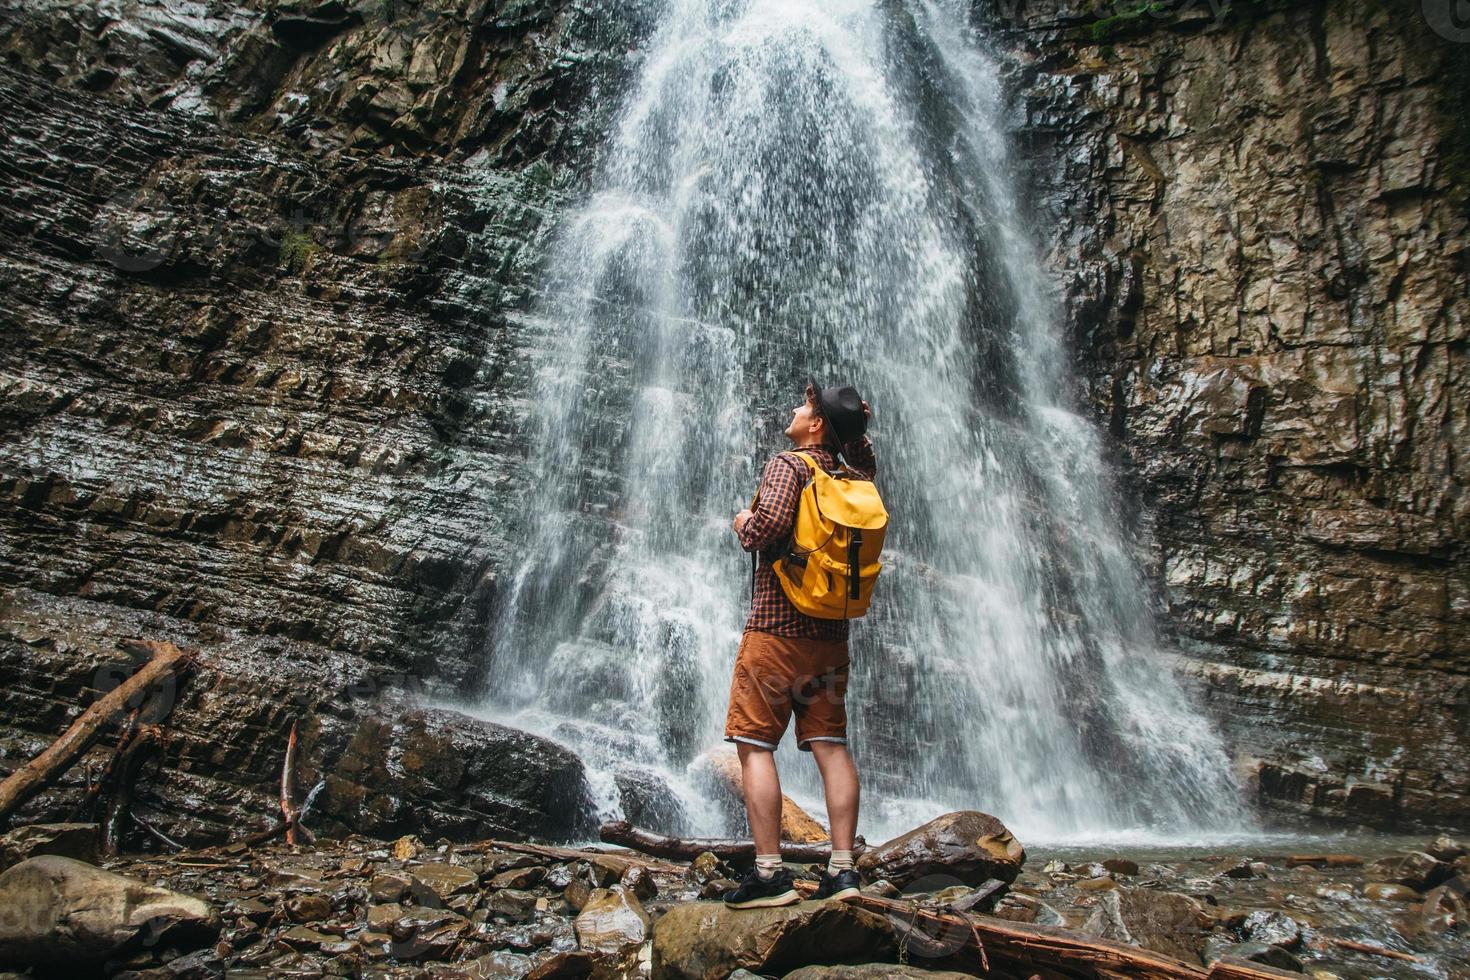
(842, 409)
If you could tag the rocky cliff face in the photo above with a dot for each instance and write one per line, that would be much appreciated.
(262, 261)
(1259, 218)
(268, 269)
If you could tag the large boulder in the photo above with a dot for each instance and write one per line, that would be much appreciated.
(62, 914)
(441, 773)
(1176, 925)
(708, 941)
(968, 846)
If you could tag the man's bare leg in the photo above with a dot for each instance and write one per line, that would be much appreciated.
(840, 786)
(762, 787)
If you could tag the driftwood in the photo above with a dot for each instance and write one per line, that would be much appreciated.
(167, 660)
(797, 825)
(555, 853)
(688, 848)
(1356, 947)
(290, 815)
(1028, 948)
(130, 762)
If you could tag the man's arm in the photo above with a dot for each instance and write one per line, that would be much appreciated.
(775, 508)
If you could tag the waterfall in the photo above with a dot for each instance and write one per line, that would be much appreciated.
(824, 186)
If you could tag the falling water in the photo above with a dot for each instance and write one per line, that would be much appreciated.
(824, 186)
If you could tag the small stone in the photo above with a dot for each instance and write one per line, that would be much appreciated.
(301, 937)
(1237, 869)
(511, 904)
(1253, 952)
(612, 921)
(389, 886)
(1096, 885)
(1273, 928)
(308, 908)
(705, 867)
(381, 917)
(446, 879)
(519, 878)
(718, 888)
(407, 848)
(1121, 866)
(577, 893)
(1445, 848)
(1390, 891)
(1054, 867)
(640, 882)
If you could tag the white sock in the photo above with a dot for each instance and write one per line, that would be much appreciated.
(840, 861)
(767, 865)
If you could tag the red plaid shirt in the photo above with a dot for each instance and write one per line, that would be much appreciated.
(770, 528)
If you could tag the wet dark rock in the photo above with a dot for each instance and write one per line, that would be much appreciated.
(1306, 548)
(446, 880)
(1027, 908)
(1272, 928)
(1390, 891)
(390, 886)
(1121, 866)
(718, 888)
(520, 878)
(612, 926)
(639, 882)
(308, 908)
(1416, 869)
(1252, 952)
(647, 801)
(57, 912)
(1169, 923)
(568, 965)
(1446, 848)
(707, 941)
(967, 846)
(511, 904)
(705, 867)
(78, 841)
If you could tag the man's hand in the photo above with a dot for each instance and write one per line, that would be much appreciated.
(741, 518)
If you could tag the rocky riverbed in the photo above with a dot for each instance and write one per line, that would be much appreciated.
(362, 907)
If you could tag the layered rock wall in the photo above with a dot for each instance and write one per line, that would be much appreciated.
(263, 263)
(1258, 218)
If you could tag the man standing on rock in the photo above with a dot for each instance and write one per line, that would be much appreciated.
(790, 662)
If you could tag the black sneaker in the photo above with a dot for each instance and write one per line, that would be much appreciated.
(756, 892)
(844, 884)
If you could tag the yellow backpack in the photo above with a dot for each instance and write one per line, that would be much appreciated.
(831, 564)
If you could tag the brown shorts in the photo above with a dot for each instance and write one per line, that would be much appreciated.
(778, 675)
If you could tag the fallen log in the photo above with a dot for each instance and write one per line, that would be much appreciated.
(797, 825)
(1026, 947)
(1324, 861)
(624, 834)
(167, 660)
